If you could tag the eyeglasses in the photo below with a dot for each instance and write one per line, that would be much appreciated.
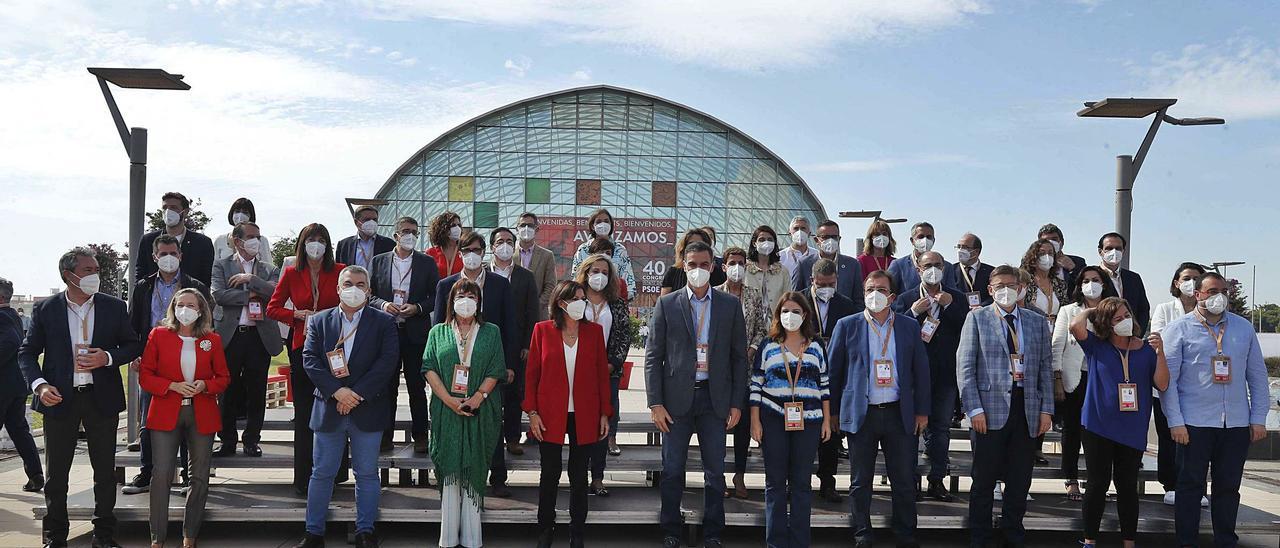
(927, 266)
(476, 250)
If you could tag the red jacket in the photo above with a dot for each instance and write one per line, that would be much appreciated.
(442, 264)
(296, 284)
(546, 388)
(162, 364)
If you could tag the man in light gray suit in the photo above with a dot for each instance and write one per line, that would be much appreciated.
(696, 378)
(1005, 375)
(242, 285)
(536, 259)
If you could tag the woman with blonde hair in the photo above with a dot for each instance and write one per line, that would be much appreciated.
(609, 310)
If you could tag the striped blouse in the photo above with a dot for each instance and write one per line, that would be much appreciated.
(770, 387)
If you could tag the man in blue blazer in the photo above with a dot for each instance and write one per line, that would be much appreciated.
(367, 243)
(941, 312)
(879, 372)
(969, 275)
(905, 269)
(85, 337)
(14, 391)
(350, 354)
(1005, 374)
(848, 270)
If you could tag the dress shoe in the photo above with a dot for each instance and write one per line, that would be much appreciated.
(34, 485)
(139, 484)
(576, 542)
(55, 544)
(547, 537)
(386, 445)
(862, 542)
(1041, 460)
(667, 542)
(712, 543)
(133, 447)
(225, 450)
(300, 490)
(500, 490)
(252, 450)
(514, 448)
(843, 453)
(188, 543)
(104, 542)
(420, 443)
(310, 541)
(939, 492)
(366, 540)
(830, 494)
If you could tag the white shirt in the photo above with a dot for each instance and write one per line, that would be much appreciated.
(504, 272)
(248, 267)
(604, 318)
(792, 257)
(80, 322)
(346, 327)
(401, 271)
(570, 363)
(188, 361)
(1116, 281)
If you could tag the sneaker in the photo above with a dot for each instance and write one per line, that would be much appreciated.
(1169, 497)
(138, 485)
(998, 494)
(1204, 502)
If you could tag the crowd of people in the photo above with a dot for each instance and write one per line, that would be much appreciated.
(794, 345)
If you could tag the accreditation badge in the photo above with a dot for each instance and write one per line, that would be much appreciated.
(397, 297)
(1221, 369)
(975, 300)
(1128, 396)
(1018, 369)
(461, 376)
(338, 363)
(884, 372)
(793, 412)
(928, 328)
(702, 366)
(255, 309)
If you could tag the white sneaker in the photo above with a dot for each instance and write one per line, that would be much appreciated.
(1029, 497)
(1204, 502)
(1168, 497)
(998, 494)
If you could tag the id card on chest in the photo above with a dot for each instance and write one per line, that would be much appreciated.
(398, 297)
(1221, 369)
(702, 366)
(1017, 368)
(975, 300)
(338, 363)
(461, 378)
(793, 413)
(928, 328)
(884, 372)
(255, 309)
(1128, 396)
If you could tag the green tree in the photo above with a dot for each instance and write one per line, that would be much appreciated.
(196, 219)
(111, 270)
(1237, 303)
(283, 247)
(1269, 318)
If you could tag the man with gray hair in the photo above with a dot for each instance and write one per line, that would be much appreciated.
(799, 249)
(13, 391)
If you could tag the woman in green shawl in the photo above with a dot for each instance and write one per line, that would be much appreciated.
(463, 362)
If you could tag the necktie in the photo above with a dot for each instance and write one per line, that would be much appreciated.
(1008, 333)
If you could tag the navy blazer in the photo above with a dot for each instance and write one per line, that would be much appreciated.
(50, 336)
(375, 358)
(1136, 294)
(942, 347)
(11, 383)
(838, 308)
(423, 278)
(197, 257)
(140, 300)
(953, 278)
(849, 368)
(498, 308)
(848, 276)
(345, 251)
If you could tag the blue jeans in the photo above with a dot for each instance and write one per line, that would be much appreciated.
(702, 420)
(327, 457)
(601, 450)
(788, 468)
(937, 437)
(1225, 449)
(883, 428)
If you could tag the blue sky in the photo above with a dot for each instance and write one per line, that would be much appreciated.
(956, 112)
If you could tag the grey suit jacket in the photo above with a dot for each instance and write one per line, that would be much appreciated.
(543, 266)
(671, 353)
(982, 367)
(231, 300)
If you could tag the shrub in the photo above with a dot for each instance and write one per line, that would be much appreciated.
(1273, 366)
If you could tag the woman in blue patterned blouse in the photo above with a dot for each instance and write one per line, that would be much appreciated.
(789, 415)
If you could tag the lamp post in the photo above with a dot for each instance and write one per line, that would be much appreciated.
(135, 145)
(1127, 167)
(1221, 266)
(874, 215)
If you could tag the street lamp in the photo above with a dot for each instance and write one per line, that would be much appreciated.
(868, 214)
(1221, 266)
(1128, 166)
(135, 145)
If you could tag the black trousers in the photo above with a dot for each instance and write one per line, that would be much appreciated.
(1167, 457)
(248, 362)
(1109, 461)
(549, 481)
(60, 436)
(1002, 454)
(15, 423)
(828, 459)
(741, 446)
(1069, 410)
(415, 384)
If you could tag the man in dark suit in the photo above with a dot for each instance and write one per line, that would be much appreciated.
(148, 304)
(197, 249)
(84, 337)
(1072, 265)
(831, 307)
(404, 286)
(366, 244)
(1127, 283)
(969, 275)
(242, 286)
(695, 383)
(14, 390)
(350, 354)
(848, 270)
(498, 309)
(879, 370)
(524, 298)
(941, 312)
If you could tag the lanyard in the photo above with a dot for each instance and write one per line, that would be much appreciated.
(878, 265)
(1017, 348)
(348, 335)
(1217, 337)
(83, 314)
(817, 307)
(315, 288)
(464, 346)
(596, 310)
(1124, 360)
(792, 379)
(932, 301)
(700, 319)
(964, 272)
(407, 272)
(448, 269)
(884, 347)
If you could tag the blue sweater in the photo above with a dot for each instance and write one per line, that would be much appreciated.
(770, 387)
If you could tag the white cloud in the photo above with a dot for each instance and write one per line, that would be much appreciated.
(519, 66)
(581, 75)
(885, 164)
(740, 35)
(1236, 80)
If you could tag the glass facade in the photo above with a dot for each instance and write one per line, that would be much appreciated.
(662, 166)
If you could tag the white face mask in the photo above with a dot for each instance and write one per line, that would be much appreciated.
(880, 241)
(464, 307)
(699, 277)
(1216, 304)
(923, 244)
(830, 246)
(1006, 296)
(602, 229)
(89, 284)
(575, 309)
(765, 247)
(598, 281)
(526, 233)
(315, 250)
(825, 293)
(185, 316)
(1113, 256)
(791, 321)
(239, 217)
(168, 264)
(368, 228)
(455, 232)
(252, 246)
(1022, 293)
(408, 241)
(172, 218)
(736, 273)
(1091, 290)
(352, 296)
(504, 251)
(875, 301)
(1188, 288)
(1057, 246)
(472, 261)
(964, 255)
(932, 275)
(1124, 328)
(1044, 263)
(799, 238)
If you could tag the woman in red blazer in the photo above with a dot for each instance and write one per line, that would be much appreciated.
(311, 282)
(184, 370)
(566, 392)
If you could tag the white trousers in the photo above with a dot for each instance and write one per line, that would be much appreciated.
(459, 515)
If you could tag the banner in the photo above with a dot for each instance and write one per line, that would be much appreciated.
(650, 243)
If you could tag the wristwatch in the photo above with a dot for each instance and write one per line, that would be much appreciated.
(484, 394)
